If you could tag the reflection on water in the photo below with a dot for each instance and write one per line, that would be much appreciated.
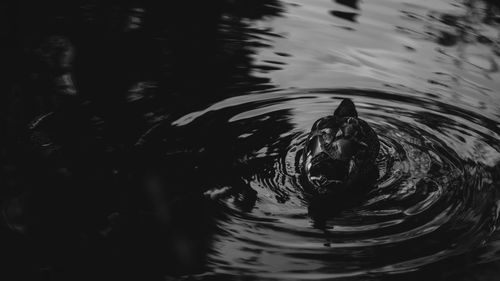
(171, 137)
(434, 198)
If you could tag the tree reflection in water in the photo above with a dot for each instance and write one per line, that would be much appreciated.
(81, 200)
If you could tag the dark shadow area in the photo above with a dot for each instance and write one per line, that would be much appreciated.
(349, 3)
(345, 15)
(79, 199)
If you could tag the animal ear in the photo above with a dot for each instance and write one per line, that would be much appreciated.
(346, 109)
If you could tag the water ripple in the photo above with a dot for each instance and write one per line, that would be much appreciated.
(433, 199)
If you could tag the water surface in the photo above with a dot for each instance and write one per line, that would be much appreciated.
(206, 107)
(424, 76)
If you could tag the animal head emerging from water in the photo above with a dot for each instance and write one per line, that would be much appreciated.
(340, 152)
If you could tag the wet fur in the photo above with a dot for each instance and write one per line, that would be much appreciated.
(360, 181)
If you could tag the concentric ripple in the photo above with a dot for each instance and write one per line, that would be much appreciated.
(434, 199)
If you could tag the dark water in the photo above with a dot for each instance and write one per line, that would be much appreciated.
(209, 111)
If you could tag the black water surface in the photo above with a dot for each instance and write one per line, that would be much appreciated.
(148, 141)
